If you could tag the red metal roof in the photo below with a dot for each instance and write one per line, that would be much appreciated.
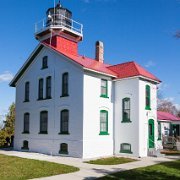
(166, 116)
(124, 70)
(130, 69)
(86, 62)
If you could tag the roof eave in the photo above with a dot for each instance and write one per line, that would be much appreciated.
(99, 72)
(138, 76)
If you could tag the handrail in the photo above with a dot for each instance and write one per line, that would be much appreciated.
(59, 20)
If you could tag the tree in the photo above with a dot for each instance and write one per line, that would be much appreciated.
(7, 132)
(167, 106)
(10, 121)
(178, 113)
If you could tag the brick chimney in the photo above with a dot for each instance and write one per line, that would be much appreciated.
(100, 51)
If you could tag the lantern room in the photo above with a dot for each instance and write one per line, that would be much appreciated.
(58, 20)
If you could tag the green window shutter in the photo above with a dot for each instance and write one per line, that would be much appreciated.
(126, 110)
(148, 98)
(104, 88)
(104, 122)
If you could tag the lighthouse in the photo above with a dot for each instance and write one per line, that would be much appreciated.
(59, 30)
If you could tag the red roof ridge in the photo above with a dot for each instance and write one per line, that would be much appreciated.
(128, 62)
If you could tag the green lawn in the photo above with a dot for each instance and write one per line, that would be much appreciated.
(163, 171)
(13, 168)
(111, 161)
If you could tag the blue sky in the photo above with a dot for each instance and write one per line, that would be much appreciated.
(140, 30)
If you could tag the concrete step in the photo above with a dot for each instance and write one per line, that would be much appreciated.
(152, 152)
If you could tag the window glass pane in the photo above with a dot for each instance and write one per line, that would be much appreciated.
(127, 104)
(104, 87)
(64, 147)
(127, 114)
(41, 89)
(25, 144)
(64, 121)
(126, 147)
(45, 62)
(26, 122)
(48, 87)
(27, 91)
(43, 121)
(126, 109)
(147, 96)
(65, 84)
(150, 129)
(103, 83)
(103, 91)
(103, 122)
(147, 101)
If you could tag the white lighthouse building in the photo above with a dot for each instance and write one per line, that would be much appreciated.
(72, 105)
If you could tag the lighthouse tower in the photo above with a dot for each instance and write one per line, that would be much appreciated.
(59, 30)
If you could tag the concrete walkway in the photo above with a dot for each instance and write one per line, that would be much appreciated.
(87, 171)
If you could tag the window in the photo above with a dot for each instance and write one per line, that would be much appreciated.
(63, 148)
(40, 93)
(126, 110)
(103, 122)
(45, 62)
(26, 123)
(104, 88)
(43, 122)
(64, 122)
(25, 145)
(125, 148)
(148, 97)
(48, 87)
(65, 84)
(150, 129)
(26, 98)
(159, 130)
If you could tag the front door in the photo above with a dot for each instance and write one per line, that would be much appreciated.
(151, 133)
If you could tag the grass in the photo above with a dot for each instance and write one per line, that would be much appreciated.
(15, 168)
(111, 161)
(162, 171)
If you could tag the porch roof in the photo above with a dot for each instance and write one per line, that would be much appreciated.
(165, 116)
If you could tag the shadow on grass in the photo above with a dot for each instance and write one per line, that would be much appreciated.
(162, 171)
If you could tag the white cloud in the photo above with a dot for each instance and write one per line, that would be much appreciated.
(171, 99)
(6, 76)
(150, 64)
